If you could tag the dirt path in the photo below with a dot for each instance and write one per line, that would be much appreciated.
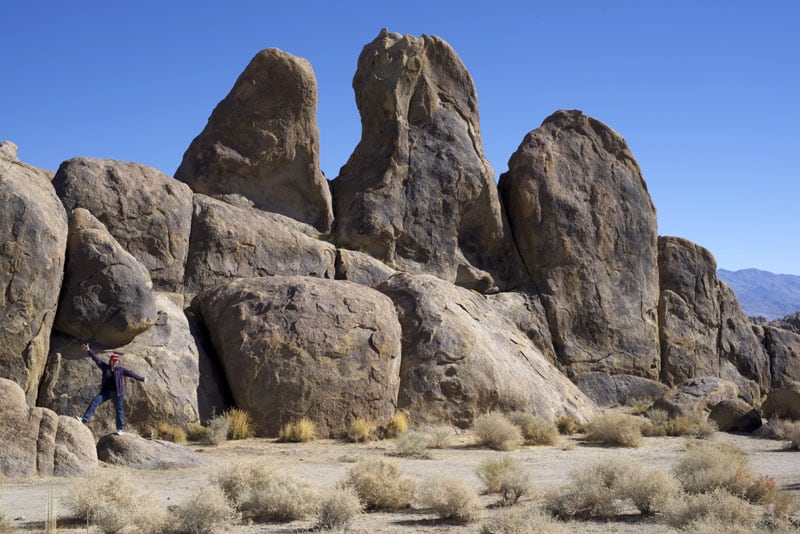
(327, 462)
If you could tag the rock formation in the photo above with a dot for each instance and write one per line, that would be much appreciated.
(148, 213)
(297, 347)
(262, 142)
(108, 294)
(586, 229)
(138, 453)
(33, 238)
(418, 192)
(462, 359)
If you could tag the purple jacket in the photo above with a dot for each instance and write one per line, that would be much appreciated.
(119, 373)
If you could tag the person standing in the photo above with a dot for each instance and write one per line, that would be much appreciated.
(112, 387)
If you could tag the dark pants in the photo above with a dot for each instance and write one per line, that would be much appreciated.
(102, 397)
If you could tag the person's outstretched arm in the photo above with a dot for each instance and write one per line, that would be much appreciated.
(94, 356)
(128, 372)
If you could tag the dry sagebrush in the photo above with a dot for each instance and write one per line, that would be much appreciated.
(536, 430)
(207, 511)
(496, 431)
(379, 485)
(451, 498)
(412, 444)
(339, 508)
(615, 430)
(523, 520)
(717, 505)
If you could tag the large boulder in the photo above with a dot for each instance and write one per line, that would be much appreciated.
(462, 358)
(783, 402)
(138, 453)
(689, 310)
(33, 240)
(417, 192)
(783, 347)
(146, 211)
(586, 229)
(262, 142)
(361, 268)
(238, 242)
(37, 441)
(696, 397)
(167, 355)
(735, 415)
(107, 295)
(295, 346)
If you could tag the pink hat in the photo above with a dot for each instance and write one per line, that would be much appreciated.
(114, 357)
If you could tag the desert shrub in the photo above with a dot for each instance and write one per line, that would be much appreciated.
(514, 485)
(412, 444)
(649, 489)
(566, 425)
(690, 426)
(207, 511)
(707, 466)
(778, 429)
(360, 430)
(650, 430)
(398, 425)
(794, 437)
(236, 479)
(497, 432)
(114, 504)
(240, 424)
(641, 406)
(535, 430)
(339, 508)
(592, 493)
(764, 491)
(706, 429)
(617, 430)
(718, 504)
(218, 427)
(451, 498)
(379, 486)
(280, 497)
(439, 437)
(198, 432)
(523, 520)
(657, 416)
(169, 432)
(491, 472)
(300, 431)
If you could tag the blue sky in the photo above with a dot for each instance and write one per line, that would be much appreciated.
(705, 93)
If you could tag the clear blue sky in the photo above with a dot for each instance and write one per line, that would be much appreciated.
(705, 92)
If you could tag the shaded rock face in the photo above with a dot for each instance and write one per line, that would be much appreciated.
(37, 441)
(461, 358)
(783, 347)
(614, 390)
(107, 295)
(783, 402)
(586, 229)
(262, 142)
(147, 212)
(138, 453)
(696, 397)
(235, 242)
(361, 268)
(735, 416)
(167, 355)
(296, 346)
(418, 192)
(33, 239)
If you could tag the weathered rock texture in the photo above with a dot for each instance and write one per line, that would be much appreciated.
(783, 347)
(138, 453)
(735, 416)
(783, 402)
(107, 294)
(37, 441)
(461, 358)
(235, 242)
(586, 229)
(262, 142)
(33, 239)
(297, 347)
(697, 396)
(614, 390)
(418, 192)
(147, 212)
(167, 355)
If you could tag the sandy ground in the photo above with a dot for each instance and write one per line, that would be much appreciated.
(327, 462)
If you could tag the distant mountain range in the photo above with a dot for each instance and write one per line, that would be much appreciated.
(764, 293)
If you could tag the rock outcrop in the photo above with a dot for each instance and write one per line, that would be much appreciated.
(783, 348)
(236, 242)
(418, 192)
(262, 142)
(138, 453)
(33, 239)
(295, 347)
(37, 441)
(735, 416)
(586, 229)
(107, 295)
(148, 213)
(461, 358)
(696, 397)
(783, 402)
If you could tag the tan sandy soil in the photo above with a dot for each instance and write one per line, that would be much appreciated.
(327, 462)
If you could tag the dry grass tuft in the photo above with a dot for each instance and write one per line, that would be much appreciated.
(240, 424)
(207, 511)
(361, 430)
(496, 431)
(338, 509)
(717, 505)
(778, 429)
(523, 520)
(616, 430)
(398, 425)
(566, 425)
(379, 486)
(169, 432)
(451, 498)
(300, 431)
(198, 432)
(217, 430)
(535, 429)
